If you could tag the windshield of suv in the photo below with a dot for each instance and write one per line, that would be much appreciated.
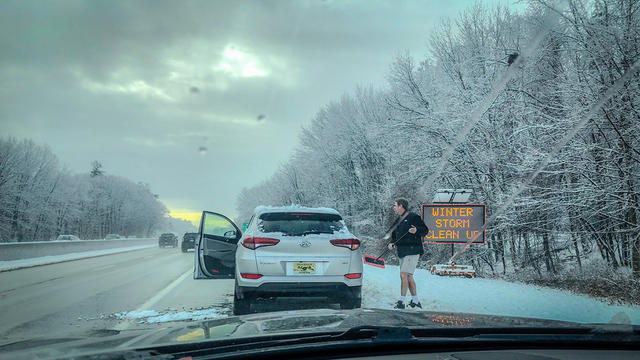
(483, 157)
(296, 224)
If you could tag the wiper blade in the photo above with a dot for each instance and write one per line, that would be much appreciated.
(377, 333)
(316, 232)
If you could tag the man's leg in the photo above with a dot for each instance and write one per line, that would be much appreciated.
(404, 285)
(412, 284)
(404, 278)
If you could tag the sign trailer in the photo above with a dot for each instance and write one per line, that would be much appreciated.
(451, 220)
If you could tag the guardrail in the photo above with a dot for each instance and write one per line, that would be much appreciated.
(27, 250)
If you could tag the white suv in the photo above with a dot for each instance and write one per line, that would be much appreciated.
(285, 252)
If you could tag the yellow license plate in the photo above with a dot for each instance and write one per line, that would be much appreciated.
(304, 268)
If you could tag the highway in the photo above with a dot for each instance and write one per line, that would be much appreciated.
(154, 287)
(84, 296)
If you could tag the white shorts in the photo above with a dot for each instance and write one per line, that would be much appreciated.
(408, 263)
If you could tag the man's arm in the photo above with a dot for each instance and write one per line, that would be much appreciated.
(420, 226)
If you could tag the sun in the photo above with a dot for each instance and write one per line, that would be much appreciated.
(185, 214)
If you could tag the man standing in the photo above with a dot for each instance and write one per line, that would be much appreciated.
(406, 238)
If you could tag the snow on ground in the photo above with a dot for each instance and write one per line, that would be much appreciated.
(152, 316)
(381, 289)
(44, 260)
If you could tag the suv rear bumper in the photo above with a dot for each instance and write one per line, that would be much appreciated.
(300, 289)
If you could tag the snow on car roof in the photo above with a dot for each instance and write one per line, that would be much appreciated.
(294, 208)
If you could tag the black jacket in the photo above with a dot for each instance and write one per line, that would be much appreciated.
(410, 244)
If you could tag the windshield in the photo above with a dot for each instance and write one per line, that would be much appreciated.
(213, 159)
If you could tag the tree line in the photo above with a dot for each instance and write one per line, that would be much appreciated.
(40, 200)
(360, 152)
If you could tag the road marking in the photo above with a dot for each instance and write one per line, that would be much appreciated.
(154, 299)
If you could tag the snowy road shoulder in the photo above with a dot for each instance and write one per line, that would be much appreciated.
(381, 289)
(439, 294)
(152, 316)
(46, 260)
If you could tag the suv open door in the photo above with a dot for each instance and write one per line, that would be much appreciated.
(215, 247)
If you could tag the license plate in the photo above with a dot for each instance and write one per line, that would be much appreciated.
(304, 268)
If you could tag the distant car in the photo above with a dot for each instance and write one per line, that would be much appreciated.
(67, 237)
(168, 239)
(188, 241)
(112, 237)
(285, 252)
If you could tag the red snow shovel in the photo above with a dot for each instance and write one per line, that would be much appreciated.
(378, 261)
(374, 261)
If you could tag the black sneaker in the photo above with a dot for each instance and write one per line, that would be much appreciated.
(414, 305)
(399, 305)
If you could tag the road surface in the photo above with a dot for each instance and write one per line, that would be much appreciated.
(82, 296)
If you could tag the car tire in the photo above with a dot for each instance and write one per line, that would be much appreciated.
(351, 303)
(241, 306)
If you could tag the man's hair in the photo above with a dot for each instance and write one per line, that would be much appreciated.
(403, 202)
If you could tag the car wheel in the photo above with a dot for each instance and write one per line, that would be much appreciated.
(184, 250)
(241, 306)
(351, 303)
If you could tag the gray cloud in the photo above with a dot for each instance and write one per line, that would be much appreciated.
(114, 80)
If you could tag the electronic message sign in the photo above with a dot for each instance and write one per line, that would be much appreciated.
(454, 223)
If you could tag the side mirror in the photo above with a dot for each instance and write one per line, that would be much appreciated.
(231, 234)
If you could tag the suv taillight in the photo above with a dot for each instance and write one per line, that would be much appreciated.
(252, 242)
(350, 244)
(251, 276)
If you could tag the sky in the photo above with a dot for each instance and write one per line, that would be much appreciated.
(197, 98)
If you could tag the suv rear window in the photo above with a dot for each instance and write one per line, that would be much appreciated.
(297, 224)
(164, 236)
(190, 236)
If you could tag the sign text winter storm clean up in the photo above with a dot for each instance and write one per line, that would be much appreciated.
(454, 223)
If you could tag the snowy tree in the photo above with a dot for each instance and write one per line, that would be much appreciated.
(359, 153)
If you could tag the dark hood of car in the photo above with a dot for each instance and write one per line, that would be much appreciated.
(265, 324)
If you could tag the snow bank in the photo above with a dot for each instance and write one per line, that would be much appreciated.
(152, 316)
(44, 260)
(381, 289)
